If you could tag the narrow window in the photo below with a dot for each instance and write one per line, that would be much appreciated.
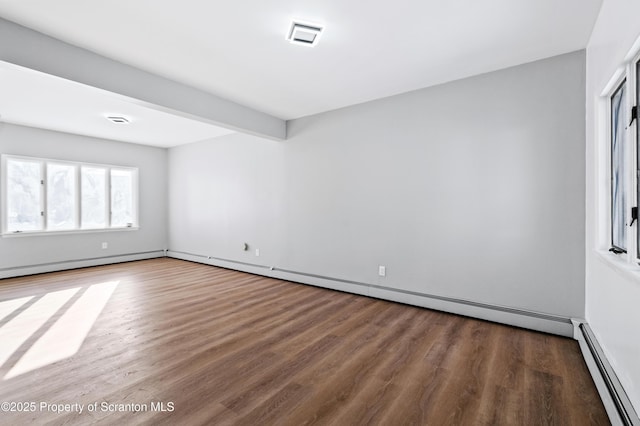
(122, 197)
(61, 197)
(637, 103)
(618, 186)
(24, 195)
(94, 197)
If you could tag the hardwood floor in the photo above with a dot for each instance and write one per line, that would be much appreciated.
(220, 347)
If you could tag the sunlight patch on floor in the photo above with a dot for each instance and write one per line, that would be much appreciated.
(65, 337)
(17, 331)
(8, 307)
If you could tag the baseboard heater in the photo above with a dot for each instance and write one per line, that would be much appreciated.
(17, 271)
(616, 402)
(612, 393)
(501, 314)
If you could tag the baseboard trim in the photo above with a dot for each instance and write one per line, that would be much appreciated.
(19, 271)
(616, 402)
(612, 394)
(501, 314)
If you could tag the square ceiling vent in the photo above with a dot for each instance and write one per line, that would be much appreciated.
(304, 33)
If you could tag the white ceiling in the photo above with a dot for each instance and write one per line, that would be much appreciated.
(32, 98)
(369, 49)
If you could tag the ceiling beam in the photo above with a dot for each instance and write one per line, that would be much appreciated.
(28, 48)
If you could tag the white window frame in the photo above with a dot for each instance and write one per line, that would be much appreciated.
(78, 166)
(629, 260)
(618, 82)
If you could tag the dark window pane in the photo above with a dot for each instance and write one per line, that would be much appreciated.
(638, 146)
(618, 146)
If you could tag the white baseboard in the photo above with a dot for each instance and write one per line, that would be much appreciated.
(613, 396)
(611, 392)
(19, 271)
(500, 314)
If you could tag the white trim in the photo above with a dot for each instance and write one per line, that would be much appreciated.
(44, 205)
(67, 232)
(612, 394)
(603, 175)
(614, 82)
(505, 315)
(64, 265)
(601, 387)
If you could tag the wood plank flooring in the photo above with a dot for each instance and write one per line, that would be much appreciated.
(221, 347)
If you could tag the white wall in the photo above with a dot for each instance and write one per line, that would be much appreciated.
(24, 251)
(612, 295)
(471, 190)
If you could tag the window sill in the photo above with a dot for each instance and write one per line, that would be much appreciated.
(619, 263)
(69, 232)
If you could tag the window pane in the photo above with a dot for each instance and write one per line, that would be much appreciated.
(24, 196)
(618, 195)
(121, 197)
(61, 196)
(94, 197)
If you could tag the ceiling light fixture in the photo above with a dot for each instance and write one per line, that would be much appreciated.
(118, 119)
(304, 33)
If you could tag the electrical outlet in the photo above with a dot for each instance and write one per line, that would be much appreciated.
(382, 271)
(257, 252)
(105, 245)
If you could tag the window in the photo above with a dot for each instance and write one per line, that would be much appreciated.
(618, 177)
(634, 116)
(24, 195)
(42, 195)
(94, 197)
(621, 97)
(61, 197)
(121, 197)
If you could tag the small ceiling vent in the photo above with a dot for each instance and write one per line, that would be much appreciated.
(118, 119)
(304, 33)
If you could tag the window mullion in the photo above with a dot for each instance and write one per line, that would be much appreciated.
(43, 192)
(78, 224)
(108, 196)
